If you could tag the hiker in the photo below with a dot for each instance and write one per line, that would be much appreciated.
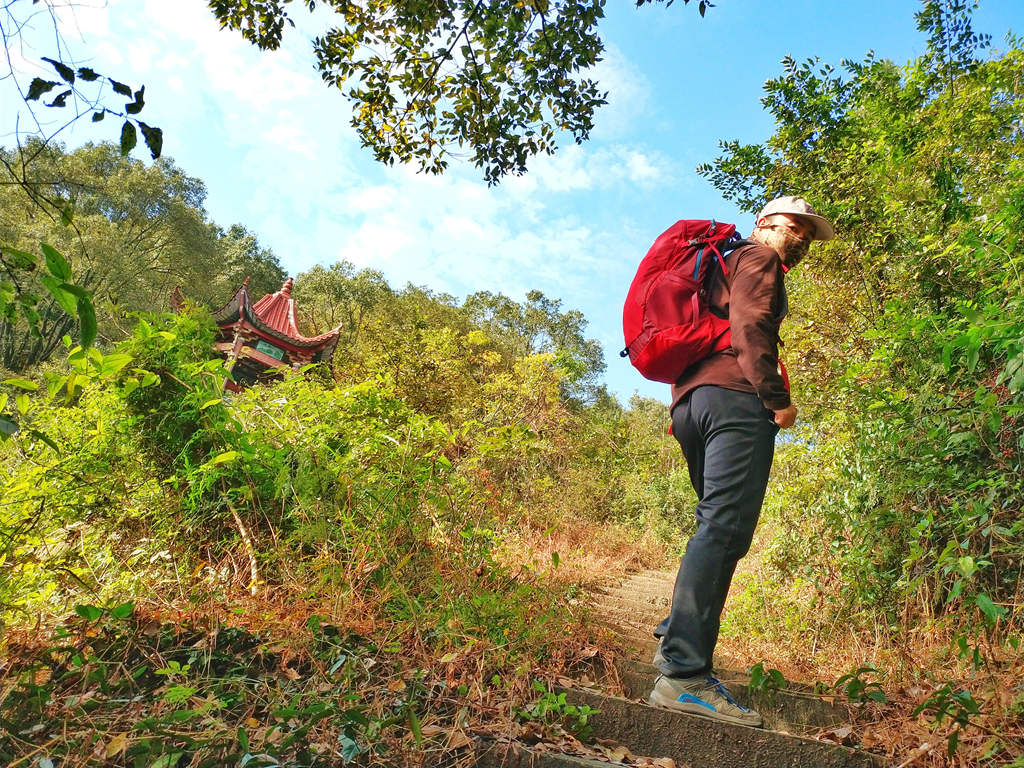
(726, 411)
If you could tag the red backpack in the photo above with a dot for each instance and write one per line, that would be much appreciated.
(666, 320)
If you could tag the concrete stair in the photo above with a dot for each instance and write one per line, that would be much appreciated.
(630, 609)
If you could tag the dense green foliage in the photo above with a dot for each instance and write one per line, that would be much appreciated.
(131, 233)
(904, 499)
(397, 493)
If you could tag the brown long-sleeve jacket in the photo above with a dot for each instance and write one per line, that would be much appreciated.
(753, 298)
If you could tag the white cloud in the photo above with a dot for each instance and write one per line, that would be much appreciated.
(140, 56)
(82, 18)
(640, 168)
(290, 134)
(367, 199)
(183, 37)
(588, 167)
(108, 53)
(629, 94)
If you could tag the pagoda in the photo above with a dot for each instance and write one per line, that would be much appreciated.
(261, 340)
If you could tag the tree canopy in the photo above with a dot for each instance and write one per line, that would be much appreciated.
(492, 80)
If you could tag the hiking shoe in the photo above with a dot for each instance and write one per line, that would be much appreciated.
(702, 695)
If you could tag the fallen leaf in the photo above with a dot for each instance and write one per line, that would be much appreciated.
(531, 733)
(117, 745)
(617, 753)
(921, 751)
(458, 739)
(291, 674)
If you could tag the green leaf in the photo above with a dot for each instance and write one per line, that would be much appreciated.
(31, 386)
(154, 138)
(88, 74)
(243, 739)
(87, 322)
(414, 726)
(967, 566)
(7, 426)
(46, 439)
(67, 214)
(349, 748)
(128, 137)
(38, 87)
(77, 291)
(224, 458)
(65, 299)
(63, 69)
(97, 116)
(122, 611)
(121, 88)
(169, 760)
(991, 611)
(208, 403)
(134, 107)
(56, 263)
(113, 363)
(972, 354)
(61, 99)
(89, 612)
(555, 559)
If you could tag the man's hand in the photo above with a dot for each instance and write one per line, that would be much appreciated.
(786, 417)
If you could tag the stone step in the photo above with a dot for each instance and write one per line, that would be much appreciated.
(699, 742)
(490, 755)
(793, 710)
(637, 642)
(630, 610)
(631, 621)
(661, 600)
(796, 709)
(641, 584)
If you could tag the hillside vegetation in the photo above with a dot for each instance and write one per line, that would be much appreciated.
(416, 524)
(894, 520)
(375, 561)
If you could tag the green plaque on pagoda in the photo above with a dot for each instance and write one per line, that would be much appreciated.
(269, 349)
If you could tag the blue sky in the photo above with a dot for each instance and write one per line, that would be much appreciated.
(273, 144)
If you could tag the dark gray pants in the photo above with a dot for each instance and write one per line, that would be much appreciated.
(728, 439)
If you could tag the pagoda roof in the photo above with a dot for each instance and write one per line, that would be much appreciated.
(274, 317)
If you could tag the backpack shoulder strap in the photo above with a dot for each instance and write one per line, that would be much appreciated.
(726, 247)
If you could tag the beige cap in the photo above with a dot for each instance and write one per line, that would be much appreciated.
(797, 206)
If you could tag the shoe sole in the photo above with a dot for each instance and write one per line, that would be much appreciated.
(672, 705)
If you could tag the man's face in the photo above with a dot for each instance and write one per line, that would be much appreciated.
(789, 235)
